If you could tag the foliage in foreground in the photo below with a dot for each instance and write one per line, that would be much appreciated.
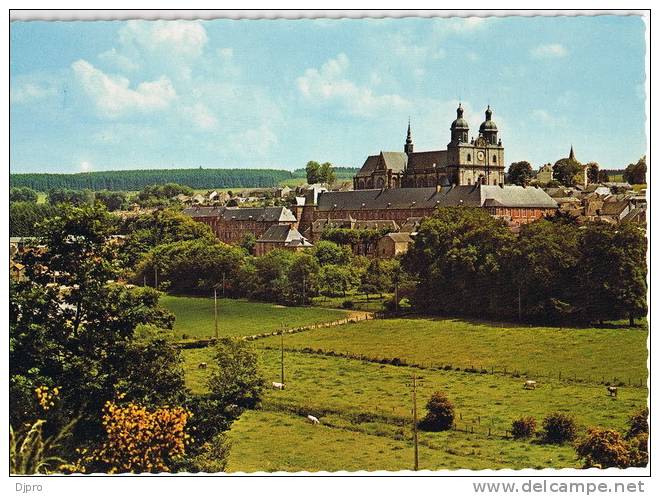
(440, 413)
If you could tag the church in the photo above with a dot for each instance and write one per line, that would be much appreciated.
(465, 161)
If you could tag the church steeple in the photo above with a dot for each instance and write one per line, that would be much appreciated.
(408, 147)
(571, 156)
(459, 128)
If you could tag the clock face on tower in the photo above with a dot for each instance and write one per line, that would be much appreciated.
(480, 155)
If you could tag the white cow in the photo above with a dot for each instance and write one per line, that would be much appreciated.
(313, 419)
(612, 390)
(529, 385)
(278, 385)
(202, 365)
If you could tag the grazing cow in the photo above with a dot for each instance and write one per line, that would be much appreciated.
(202, 365)
(313, 419)
(612, 390)
(529, 385)
(278, 385)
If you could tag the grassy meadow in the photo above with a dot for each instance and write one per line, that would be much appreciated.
(365, 407)
(195, 316)
(590, 354)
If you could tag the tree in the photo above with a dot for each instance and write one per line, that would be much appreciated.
(190, 266)
(113, 200)
(303, 278)
(375, 279)
(327, 252)
(73, 197)
(337, 280)
(78, 334)
(248, 242)
(559, 427)
(327, 173)
(566, 171)
(612, 282)
(22, 195)
(237, 380)
(25, 217)
(593, 172)
(603, 176)
(457, 253)
(636, 173)
(313, 171)
(520, 173)
(440, 413)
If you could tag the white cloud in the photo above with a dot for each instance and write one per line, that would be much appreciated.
(113, 97)
(200, 116)
(29, 91)
(121, 62)
(178, 38)
(254, 142)
(549, 51)
(329, 84)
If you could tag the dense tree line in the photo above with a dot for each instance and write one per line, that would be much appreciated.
(24, 217)
(339, 172)
(131, 180)
(468, 263)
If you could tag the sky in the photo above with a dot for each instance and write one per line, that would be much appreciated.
(110, 95)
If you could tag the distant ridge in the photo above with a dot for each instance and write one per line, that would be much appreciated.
(132, 180)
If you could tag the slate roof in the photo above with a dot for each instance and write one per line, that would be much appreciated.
(399, 237)
(613, 207)
(400, 198)
(259, 214)
(384, 160)
(282, 233)
(423, 161)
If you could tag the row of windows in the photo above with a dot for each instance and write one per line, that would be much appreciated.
(469, 158)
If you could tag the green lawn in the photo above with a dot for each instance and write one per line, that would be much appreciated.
(195, 316)
(367, 303)
(588, 354)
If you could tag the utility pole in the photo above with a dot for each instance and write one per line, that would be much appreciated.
(303, 298)
(223, 284)
(396, 295)
(414, 398)
(215, 311)
(282, 357)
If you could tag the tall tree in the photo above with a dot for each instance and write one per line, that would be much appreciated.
(636, 173)
(566, 171)
(593, 172)
(520, 173)
(313, 171)
(23, 195)
(327, 173)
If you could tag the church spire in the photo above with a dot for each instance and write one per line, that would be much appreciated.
(571, 156)
(408, 147)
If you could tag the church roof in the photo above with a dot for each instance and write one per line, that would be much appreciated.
(400, 198)
(384, 160)
(420, 161)
(259, 214)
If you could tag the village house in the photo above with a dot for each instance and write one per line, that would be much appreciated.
(281, 236)
(393, 244)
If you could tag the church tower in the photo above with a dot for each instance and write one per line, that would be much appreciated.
(488, 129)
(408, 147)
(459, 128)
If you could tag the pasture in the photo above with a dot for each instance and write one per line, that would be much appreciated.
(365, 407)
(195, 316)
(590, 354)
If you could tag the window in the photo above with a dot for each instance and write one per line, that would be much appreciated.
(469, 157)
(494, 159)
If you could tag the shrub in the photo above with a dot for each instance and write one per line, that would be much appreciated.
(348, 304)
(559, 428)
(603, 448)
(523, 427)
(639, 450)
(440, 415)
(638, 423)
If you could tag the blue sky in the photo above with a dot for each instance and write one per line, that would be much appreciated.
(277, 93)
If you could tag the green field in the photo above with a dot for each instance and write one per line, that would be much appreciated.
(361, 403)
(588, 354)
(195, 316)
(365, 407)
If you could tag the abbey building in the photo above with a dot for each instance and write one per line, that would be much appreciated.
(465, 161)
